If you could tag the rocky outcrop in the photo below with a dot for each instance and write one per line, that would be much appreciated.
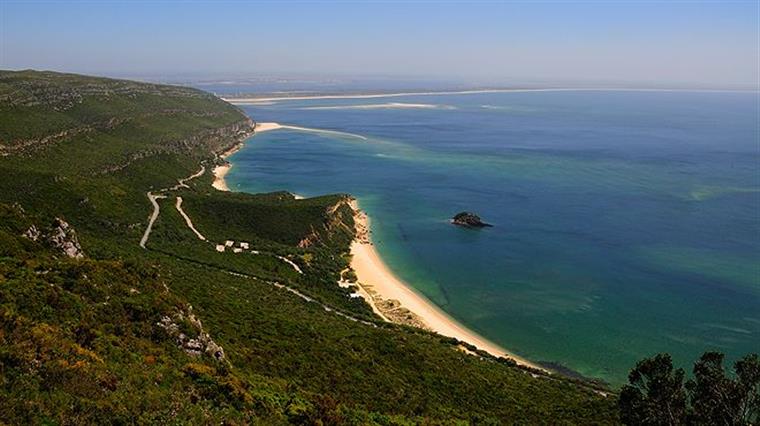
(60, 236)
(309, 240)
(468, 220)
(64, 238)
(335, 221)
(30, 145)
(32, 233)
(187, 331)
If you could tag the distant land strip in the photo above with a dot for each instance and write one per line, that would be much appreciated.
(283, 96)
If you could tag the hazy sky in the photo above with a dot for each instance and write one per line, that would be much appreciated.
(683, 42)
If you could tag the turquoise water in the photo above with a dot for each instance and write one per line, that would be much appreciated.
(626, 223)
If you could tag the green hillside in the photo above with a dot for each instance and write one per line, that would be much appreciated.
(95, 328)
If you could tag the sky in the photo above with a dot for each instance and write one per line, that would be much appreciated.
(711, 44)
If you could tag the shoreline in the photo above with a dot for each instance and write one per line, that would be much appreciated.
(399, 303)
(389, 297)
(219, 172)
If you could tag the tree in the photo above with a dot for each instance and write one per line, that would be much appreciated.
(713, 397)
(748, 386)
(720, 400)
(655, 395)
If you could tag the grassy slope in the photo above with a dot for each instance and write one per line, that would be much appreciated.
(78, 338)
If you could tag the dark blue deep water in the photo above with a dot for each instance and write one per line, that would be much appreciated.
(626, 223)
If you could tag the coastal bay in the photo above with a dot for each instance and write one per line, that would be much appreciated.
(394, 300)
(566, 276)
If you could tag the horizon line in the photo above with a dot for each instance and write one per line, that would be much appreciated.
(253, 99)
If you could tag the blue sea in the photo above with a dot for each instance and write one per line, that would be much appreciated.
(626, 223)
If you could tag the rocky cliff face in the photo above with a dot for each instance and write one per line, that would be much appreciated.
(60, 236)
(187, 331)
(336, 222)
(216, 141)
(225, 138)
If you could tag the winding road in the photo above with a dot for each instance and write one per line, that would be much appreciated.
(154, 196)
(157, 209)
(187, 220)
(153, 217)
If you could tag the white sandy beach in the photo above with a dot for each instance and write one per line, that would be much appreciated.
(375, 275)
(219, 173)
(265, 127)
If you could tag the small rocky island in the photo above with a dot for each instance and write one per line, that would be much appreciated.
(469, 220)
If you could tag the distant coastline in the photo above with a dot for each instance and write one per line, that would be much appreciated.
(391, 298)
(299, 96)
